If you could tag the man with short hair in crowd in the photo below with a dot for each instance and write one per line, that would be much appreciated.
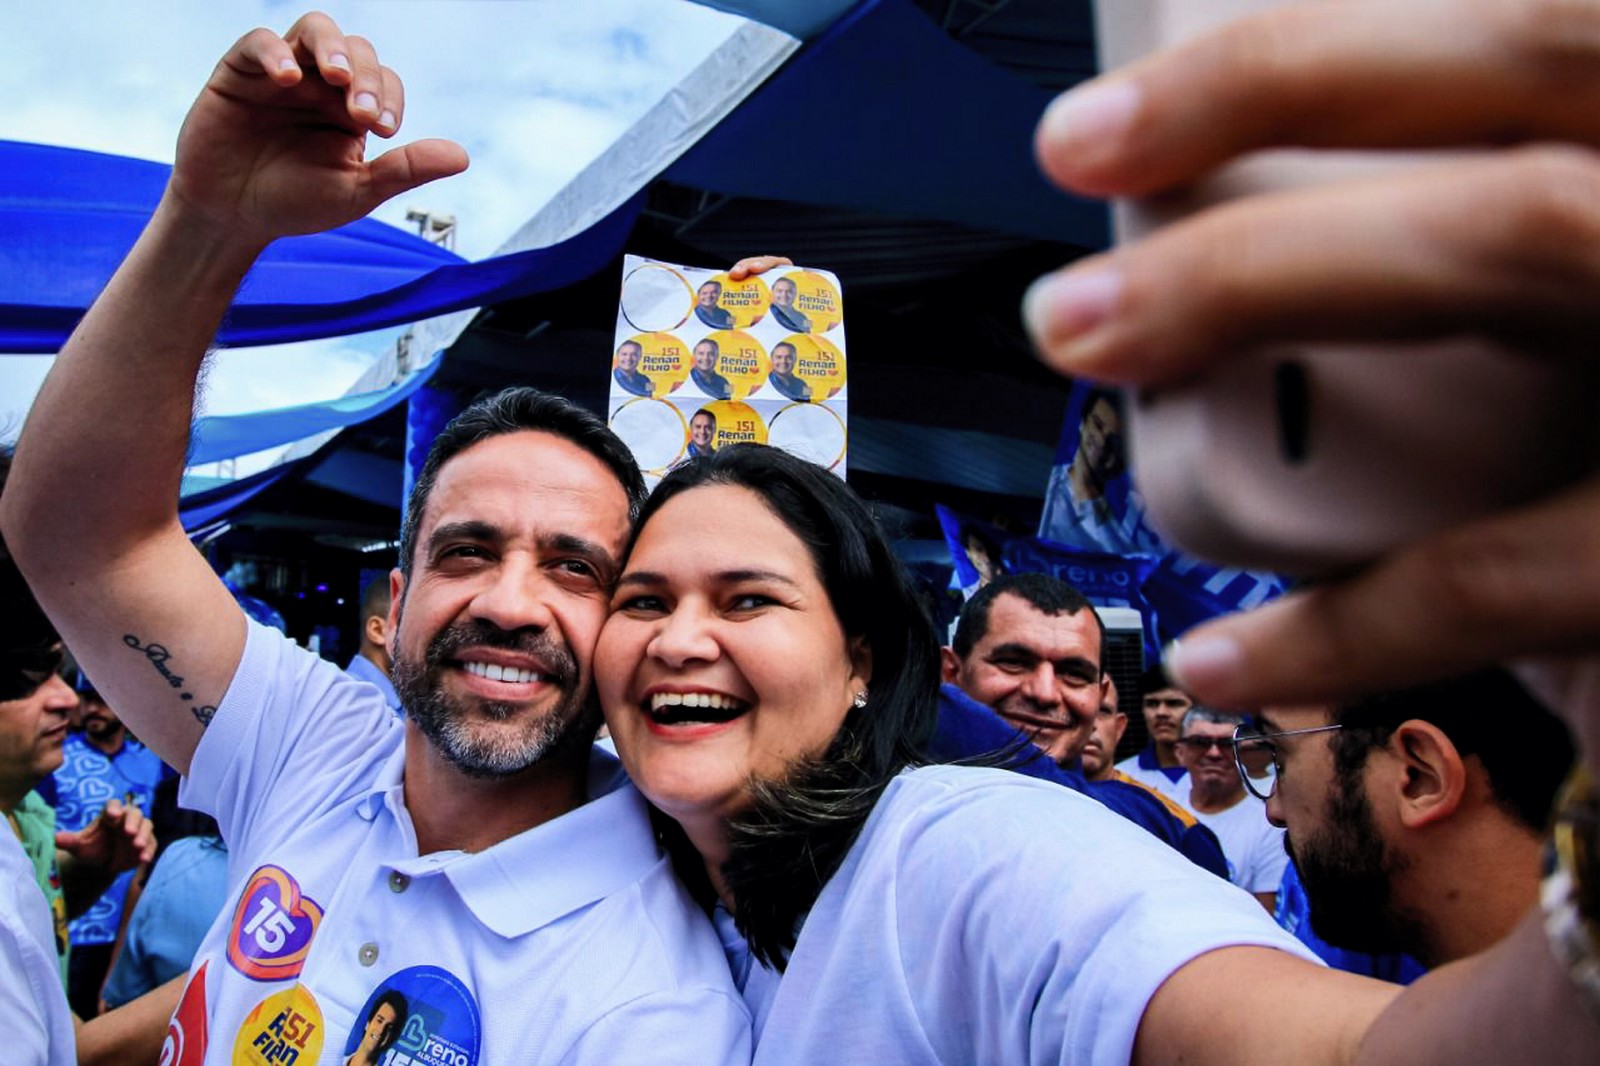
(1028, 646)
(1416, 818)
(1215, 792)
(1025, 666)
(35, 708)
(34, 705)
(1100, 747)
(101, 761)
(1157, 764)
(479, 854)
(372, 662)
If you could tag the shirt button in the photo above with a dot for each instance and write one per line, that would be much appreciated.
(398, 882)
(368, 954)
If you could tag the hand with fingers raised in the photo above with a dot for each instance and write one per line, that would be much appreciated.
(1496, 241)
(275, 144)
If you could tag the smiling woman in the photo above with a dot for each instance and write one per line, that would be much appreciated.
(768, 676)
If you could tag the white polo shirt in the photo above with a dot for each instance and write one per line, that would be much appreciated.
(1152, 776)
(983, 916)
(34, 1019)
(571, 942)
(1252, 845)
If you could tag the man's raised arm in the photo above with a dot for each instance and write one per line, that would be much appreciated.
(273, 146)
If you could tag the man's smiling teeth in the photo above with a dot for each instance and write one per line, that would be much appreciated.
(495, 672)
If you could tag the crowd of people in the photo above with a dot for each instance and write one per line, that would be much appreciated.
(813, 833)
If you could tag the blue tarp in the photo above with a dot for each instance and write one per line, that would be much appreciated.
(882, 111)
(885, 113)
(68, 217)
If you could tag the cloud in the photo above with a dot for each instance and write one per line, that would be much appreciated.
(534, 90)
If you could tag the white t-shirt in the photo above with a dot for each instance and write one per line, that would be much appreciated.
(34, 1017)
(1252, 845)
(983, 916)
(570, 943)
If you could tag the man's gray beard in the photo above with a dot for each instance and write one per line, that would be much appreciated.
(500, 753)
(567, 727)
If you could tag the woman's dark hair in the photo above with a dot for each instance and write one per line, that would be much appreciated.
(787, 845)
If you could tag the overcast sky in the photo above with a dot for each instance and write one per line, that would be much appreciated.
(533, 89)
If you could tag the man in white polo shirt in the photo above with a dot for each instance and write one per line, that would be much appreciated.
(1215, 792)
(477, 864)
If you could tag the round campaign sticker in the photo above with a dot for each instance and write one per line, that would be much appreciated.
(806, 302)
(422, 1014)
(737, 423)
(742, 302)
(656, 297)
(284, 1027)
(810, 432)
(650, 364)
(727, 365)
(654, 430)
(820, 363)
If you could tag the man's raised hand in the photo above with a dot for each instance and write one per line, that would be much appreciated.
(275, 144)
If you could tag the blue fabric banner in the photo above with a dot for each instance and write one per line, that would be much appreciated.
(1092, 504)
(981, 551)
(69, 217)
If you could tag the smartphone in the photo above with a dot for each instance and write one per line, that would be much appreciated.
(1319, 458)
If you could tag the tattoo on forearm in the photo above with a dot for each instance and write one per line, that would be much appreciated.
(159, 656)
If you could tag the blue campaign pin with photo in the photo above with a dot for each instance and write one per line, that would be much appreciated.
(422, 1014)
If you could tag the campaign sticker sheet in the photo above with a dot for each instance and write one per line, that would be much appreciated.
(702, 362)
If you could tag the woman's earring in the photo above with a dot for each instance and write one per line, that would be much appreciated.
(860, 700)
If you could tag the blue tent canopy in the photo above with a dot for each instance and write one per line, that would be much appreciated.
(885, 113)
(70, 216)
(880, 111)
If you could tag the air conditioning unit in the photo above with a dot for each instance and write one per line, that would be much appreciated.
(1123, 658)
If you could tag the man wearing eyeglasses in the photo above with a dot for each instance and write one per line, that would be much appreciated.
(1214, 790)
(1416, 817)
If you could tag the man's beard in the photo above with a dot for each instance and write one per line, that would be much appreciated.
(1347, 873)
(496, 752)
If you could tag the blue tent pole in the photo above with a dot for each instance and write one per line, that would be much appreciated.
(427, 412)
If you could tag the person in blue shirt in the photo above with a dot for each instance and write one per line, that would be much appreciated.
(372, 662)
(1025, 664)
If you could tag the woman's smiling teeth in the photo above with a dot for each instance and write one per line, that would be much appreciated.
(495, 672)
(694, 707)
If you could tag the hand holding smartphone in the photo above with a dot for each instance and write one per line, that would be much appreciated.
(1309, 458)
